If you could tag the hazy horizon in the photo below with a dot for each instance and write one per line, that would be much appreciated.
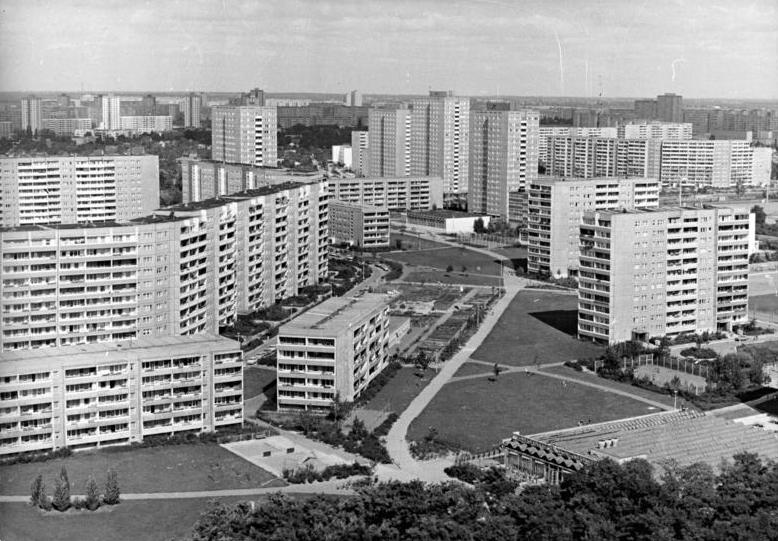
(700, 49)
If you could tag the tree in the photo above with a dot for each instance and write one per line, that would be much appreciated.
(478, 225)
(760, 216)
(338, 409)
(61, 500)
(38, 492)
(449, 268)
(92, 499)
(111, 496)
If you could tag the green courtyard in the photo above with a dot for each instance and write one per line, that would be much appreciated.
(459, 259)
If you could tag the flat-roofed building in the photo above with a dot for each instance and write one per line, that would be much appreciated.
(389, 146)
(591, 157)
(334, 349)
(446, 221)
(394, 193)
(77, 189)
(245, 134)
(714, 163)
(104, 394)
(555, 207)
(503, 158)
(146, 124)
(360, 149)
(363, 226)
(544, 132)
(67, 126)
(191, 105)
(655, 130)
(662, 272)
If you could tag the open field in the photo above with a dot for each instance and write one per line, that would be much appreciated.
(477, 414)
(257, 380)
(762, 283)
(460, 259)
(764, 305)
(400, 390)
(412, 242)
(517, 255)
(155, 469)
(537, 327)
(471, 369)
(434, 276)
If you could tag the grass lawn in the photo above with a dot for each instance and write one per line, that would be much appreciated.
(412, 242)
(400, 390)
(257, 380)
(477, 414)
(593, 378)
(452, 278)
(159, 469)
(473, 262)
(471, 369)
(153, 520)
(536, 325)
(762, 284)
(764, 303)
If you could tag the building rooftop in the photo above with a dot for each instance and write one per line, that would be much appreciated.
(444, 213)
(683, 436)
(548, 179)
(119, 351)
(238, 196)
(335, 314)
(361, 206)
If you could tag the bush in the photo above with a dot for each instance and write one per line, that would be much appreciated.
(92, 499)
(61, 500)
(112, 493)
(465, 472)
(38, 491)
(79, 504)
(308, 474)
(386, 425)
(699, 353)
(29, 458)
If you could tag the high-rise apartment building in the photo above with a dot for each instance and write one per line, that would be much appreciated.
(244, 134)
(335, 348)
(555, 208)
(544, 132)
(363, 226)
(589, 157)
(717, 163)
(32, 114)
(440, 139)
(191, 105)
(662, 272)
(655, 130)
(111, 112)
(390, 142)
(77, 189)
(645, 109)
(669, 108)
(503, 158)
(107, 393)
(353, 98)
(394, 193)
(188, 269)
(360, 152)
(255, 97)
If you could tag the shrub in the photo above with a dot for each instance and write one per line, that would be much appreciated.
(92, 499)
(37, 491)
(465, 472)
(79, 504)
(699, 353)
(386, 425)
(112, 493)
(29, 458)
(372, 448)
(308, 474)
(61, 500)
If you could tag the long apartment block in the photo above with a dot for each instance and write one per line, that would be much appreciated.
(662, 272)
(394, 193)
(117, 393)
(555, 207)
(544, 132)
(336, 348)
(77, 189)
(363, 226)
(592, 157)
(186, 270)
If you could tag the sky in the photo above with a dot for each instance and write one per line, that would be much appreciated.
(620, 48)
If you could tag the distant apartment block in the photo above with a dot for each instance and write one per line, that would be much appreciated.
(655, 130)
(146, 124)
(111, 393)
(518, 207)
(6, 129)
(187, 270)
(362, 226)
(503, 158)
(353, 99)
(555, 208)
(396, 194)
(343, 154)
(645, 109)
(190, 106)
(244, 134)
(322, 114)
(335, 348)
(390, 142)
(590, 157)
(662, 272)
(77, 189)
(669, 108)
(440, 139)
(110, 110)
(206, 179)
(718, 164)
(544, 132)
(32, 114)
(67, 126)
(360, 153)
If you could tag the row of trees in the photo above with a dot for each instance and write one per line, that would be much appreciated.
(62, 500)
(605, 501)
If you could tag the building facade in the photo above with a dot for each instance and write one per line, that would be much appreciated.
(390, 143)
(360, 153)
(503, 158)
(656, 130)
(245, 134)
(662, 272)
(335, 348)
(669, 108)
(67, 126)
(363, 226)
(396, 194)
(146, 124)
(717, 163)
(191, 105)
(343, 154)
(112, 393)
(544, 132)
(590, 157)
(555, 207)
(110, 107)
(32, 114)
(446, 221)
(77, 189)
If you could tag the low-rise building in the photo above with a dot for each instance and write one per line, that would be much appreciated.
(446, 221)
(334, 349)
(394, 193)
(117, 393)
(146, 124)
(363, 226)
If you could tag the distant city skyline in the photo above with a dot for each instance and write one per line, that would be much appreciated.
(700, 49)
